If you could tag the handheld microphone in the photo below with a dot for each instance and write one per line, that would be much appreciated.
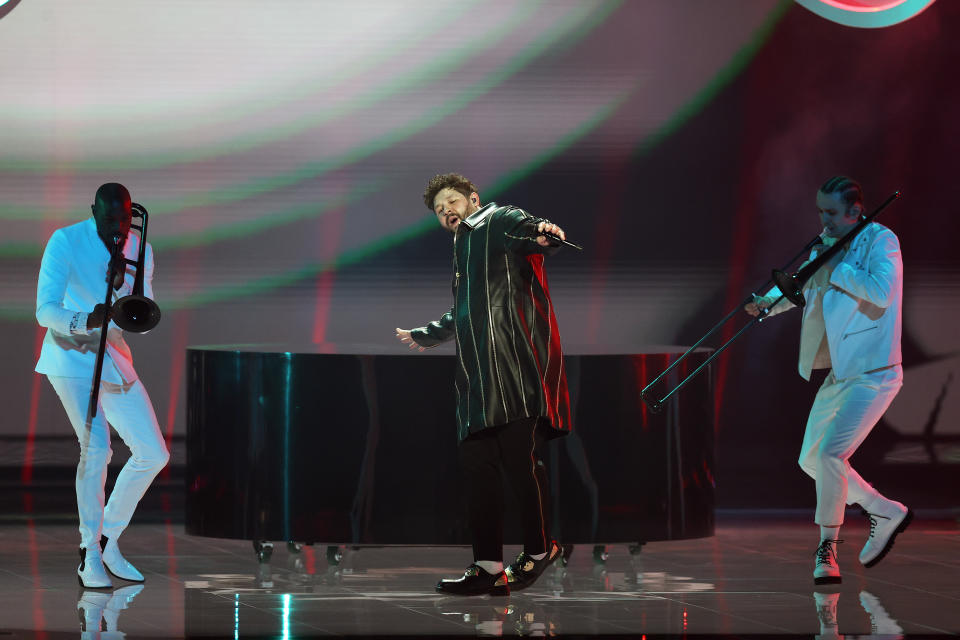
(556, 240)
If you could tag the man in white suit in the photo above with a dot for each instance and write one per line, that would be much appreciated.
(851, 325)
(70, 293)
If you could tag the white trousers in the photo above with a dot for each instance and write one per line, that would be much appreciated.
(843, 414)
(128, 409)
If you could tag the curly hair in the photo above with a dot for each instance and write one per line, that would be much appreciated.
(443, 181)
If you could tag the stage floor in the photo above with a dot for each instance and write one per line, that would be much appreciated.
(753, 577)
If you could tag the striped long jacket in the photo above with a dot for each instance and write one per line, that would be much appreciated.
(510, 363)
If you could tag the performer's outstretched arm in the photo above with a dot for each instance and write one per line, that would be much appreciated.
(522, 233)
(436, 332)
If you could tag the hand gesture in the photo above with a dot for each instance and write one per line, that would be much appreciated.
(403, 335)
(95, 317)
(549, 227)
(758, 305)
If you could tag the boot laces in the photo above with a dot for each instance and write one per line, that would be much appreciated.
(826, 554)
(874, 522)
(827, 615)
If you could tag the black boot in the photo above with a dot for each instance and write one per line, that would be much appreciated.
(524, 571)
(476, 581)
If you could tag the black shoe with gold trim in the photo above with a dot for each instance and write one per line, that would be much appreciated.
(524, 571)
(475, 582)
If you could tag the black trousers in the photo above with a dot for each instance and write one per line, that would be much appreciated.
(511, 448)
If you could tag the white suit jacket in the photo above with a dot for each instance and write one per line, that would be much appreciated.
(858, 308)
(72, 282)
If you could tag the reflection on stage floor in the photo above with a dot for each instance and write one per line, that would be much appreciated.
(753, 577)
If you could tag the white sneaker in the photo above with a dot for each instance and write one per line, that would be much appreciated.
(827, 614)
(91, 573)
(880, 620)
(117, 564)
(887, 519)
(827, 568)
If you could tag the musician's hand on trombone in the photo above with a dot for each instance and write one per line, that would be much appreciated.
(759, 303)
(95, 317)
(403, 335)
(549, 227)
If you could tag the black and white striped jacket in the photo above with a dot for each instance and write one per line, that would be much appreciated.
(510, 362)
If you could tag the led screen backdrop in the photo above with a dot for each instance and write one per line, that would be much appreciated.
(281, 149)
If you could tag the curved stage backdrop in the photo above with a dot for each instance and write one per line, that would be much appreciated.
(282, 149)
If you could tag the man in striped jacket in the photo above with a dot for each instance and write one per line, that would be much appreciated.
(510, 383)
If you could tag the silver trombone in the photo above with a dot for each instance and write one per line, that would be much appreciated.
(135, 313)
(791, 288)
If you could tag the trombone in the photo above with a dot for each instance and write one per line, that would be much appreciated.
(135, 313)
(791, 288)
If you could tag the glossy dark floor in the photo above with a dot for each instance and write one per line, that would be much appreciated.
(753, 577)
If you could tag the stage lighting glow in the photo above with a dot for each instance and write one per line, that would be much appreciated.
(866, 14)
(248, 142)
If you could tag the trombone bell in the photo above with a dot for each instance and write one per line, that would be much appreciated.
(137, 314)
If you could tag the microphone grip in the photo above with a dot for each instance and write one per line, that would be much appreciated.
(556, 240)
